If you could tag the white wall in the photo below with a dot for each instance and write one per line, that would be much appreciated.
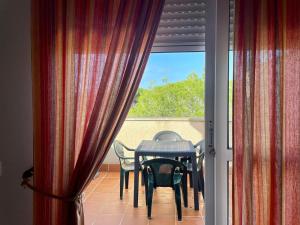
(15, 111)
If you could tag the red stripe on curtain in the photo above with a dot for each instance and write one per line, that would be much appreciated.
(267, 113)
(88, 58)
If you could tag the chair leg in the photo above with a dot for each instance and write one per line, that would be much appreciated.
(126, 179)
(149, 198)
(144, 175)
(201, 182)
(143, 180)
(191, 179)
(178, 201)
(184, 189)
(121, 182)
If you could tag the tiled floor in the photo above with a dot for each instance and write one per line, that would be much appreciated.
(102, 205)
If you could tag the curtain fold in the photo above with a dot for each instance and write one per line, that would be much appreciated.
(87, 61)
(266, 113)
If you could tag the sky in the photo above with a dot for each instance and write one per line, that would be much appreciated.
(174, 67)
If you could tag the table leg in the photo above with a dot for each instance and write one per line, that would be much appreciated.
(136, 181)
(195, 182)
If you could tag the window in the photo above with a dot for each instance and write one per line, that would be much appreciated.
(172, 86)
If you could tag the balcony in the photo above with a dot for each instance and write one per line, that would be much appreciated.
(101, 202)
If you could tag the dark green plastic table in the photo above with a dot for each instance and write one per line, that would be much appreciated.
(181, 148)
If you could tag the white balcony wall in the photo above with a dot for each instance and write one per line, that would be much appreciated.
(136, 129)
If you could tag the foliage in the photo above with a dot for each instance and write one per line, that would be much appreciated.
(180, 99)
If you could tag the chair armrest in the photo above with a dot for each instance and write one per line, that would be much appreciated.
(177, 177)
(127, 148)
(201, 155)
(121, 157)
(197, 144)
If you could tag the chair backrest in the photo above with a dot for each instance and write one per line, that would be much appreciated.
(119, 149)
(200, 146)
(200, 149)
(167, 135)
(163, 170)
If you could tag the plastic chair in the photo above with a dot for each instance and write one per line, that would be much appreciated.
(167, 135)
(162, 172)
(126, 164)
(200, 147)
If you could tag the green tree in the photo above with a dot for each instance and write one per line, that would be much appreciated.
(180, 99)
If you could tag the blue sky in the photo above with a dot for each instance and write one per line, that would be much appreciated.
(174, 67)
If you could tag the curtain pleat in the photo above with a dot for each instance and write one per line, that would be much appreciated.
(266, 113)
(88, 58)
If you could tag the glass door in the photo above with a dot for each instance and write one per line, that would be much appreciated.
(218, 96)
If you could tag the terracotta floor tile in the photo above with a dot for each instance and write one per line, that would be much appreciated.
(112, 179)
(114, 174)
(163, 209)
(89, 218)
(102, 174)
(141, 210)
(135, 220)
(92, 207)
(104, 197)
(162, 220)
(107, 188)
(108, 220)
(103, 206)
(114, 209)
(191, 221)
(191, 212)
(129, 198)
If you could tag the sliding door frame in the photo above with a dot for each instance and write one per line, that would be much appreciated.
(217, 153)
(210, 51)
(224, 154)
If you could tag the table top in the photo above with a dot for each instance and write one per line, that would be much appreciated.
(182, 147)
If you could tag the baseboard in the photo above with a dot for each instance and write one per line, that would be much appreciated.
(110, 168)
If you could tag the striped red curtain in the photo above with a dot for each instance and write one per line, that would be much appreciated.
(267, 113)
(87, 61)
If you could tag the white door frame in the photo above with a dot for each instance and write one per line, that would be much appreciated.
(216, 86)
(221, 116)
(209, 185)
